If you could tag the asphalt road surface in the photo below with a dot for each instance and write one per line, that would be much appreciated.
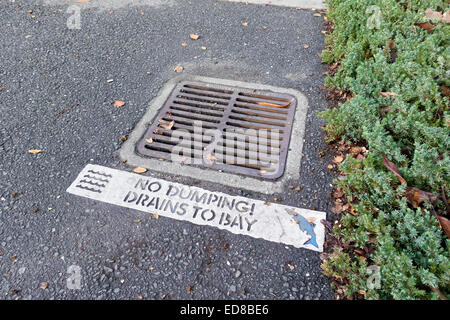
(56, 97)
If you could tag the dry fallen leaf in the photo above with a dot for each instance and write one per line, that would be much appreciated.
(211, 157)
(385, 94)
(139, 170)
(445, 91)
(425, 25)
(178, 69)
(34, 151)
(166, 124)
(337, 208)
(203, 48)
(149, 140)
(118, 103)
(155, 216)
(393, 168)
(445, 224)
(311, 219)
(446, 17)
(194, 36)
(431, 14)
(416, 196)
(123, 138)
(184, 44)
(44, 286)
(306, 46)
(267, 104)
(291, 266)
(338, 159)
(245, 24)
(317, 15)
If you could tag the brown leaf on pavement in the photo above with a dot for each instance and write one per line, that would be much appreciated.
(178, 69)
(139, 170)
(194, 36)
(34, 151)
(118, 103)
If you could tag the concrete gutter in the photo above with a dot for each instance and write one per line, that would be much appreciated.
(292, 169)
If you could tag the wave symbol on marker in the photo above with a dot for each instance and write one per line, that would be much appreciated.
(92, 182)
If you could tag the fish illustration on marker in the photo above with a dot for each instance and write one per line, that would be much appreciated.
(305, 226)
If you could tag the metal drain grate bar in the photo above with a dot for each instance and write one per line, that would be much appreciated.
(225, 128)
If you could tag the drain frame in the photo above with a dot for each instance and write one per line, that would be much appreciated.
(224, 109)
(129, 153)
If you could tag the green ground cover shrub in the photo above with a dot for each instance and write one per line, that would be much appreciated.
(398, 75)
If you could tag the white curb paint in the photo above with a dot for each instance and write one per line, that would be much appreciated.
(302, 4)
(270, 221)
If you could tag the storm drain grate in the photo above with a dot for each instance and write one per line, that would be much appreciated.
(231, 129)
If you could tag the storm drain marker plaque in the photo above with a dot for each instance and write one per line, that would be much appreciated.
(255, 218)
(231, 129)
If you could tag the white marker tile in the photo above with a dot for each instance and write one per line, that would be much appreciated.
(255, 218)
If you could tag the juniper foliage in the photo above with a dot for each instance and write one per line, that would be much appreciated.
(410, 124)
